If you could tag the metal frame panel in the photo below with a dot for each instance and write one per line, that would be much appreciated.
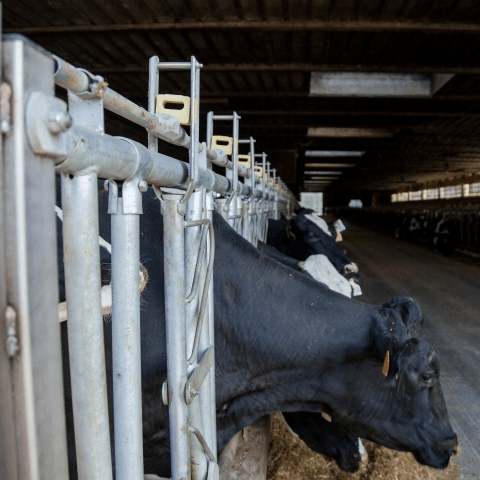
(32, 291)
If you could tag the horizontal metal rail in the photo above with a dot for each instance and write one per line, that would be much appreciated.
(114, 159)
(78, 81)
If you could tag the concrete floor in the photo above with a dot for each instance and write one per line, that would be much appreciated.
(448, 290)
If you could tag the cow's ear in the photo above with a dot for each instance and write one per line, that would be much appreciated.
(408, 309)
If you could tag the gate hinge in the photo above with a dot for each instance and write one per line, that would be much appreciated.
(5, 95)
(11, 331)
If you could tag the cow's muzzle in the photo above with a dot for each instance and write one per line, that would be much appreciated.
(351, 268)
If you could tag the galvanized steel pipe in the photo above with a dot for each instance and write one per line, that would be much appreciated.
(127, 384)
(85, 326)
(111, 157)
(173, 234)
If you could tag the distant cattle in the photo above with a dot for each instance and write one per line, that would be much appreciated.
(438, 231)
(301, 237)
(284, 342)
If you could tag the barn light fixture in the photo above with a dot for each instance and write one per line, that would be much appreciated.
(334, 132)
(332, 153)
(316, 182)
(324, 178)
(361, 84)
(330, 165)
(323, 172)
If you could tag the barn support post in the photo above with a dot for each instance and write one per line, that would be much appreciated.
(32, 421)
(127, 385)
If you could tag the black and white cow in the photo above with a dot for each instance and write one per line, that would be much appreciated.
(318, 267)
(285, 343)
(440, 234)
(301, 237)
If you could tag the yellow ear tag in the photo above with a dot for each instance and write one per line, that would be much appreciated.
(386, 364)
(327, 417)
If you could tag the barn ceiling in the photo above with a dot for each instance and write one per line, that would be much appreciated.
(258, 58)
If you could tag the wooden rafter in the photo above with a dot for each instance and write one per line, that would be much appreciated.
(274, 26)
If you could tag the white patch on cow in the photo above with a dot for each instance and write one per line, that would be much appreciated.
(59, 213)
(106, 302)
(322, 270)
(339, 226)
(356, 289)
(351, 267)
(361, 448)
(106, 291)
(319, 222)
(101, 241)
(363, 453)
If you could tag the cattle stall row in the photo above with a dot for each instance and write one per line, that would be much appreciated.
(44, 137)
(145, 240)
(444, 228)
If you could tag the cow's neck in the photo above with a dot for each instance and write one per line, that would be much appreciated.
(276, 327)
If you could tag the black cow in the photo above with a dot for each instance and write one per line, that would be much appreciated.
(285, 343)
(328, 438)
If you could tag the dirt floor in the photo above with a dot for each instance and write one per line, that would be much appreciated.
(291, 459)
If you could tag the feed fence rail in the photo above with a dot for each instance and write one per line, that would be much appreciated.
(41, 137)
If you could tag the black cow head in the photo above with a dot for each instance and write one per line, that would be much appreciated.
(401, 401)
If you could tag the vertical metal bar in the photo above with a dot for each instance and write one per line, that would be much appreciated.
(208, 404)
(176, 342)
(209, 129)
(220, 204)
(246, 221)
(85, 326)
(153, 79)
(8, 452)
(34, 373)
(195, 208)
(233, 206)
(194, 123)
(207, 390)
(127, 385)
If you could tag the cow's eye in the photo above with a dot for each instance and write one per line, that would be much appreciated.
(427, 379)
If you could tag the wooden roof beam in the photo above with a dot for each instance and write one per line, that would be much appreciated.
(324, 113)
(275, 26)
(306, 67)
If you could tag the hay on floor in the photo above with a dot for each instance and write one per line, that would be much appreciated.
(290, 459)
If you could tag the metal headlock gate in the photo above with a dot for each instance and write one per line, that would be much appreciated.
(42, 136)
